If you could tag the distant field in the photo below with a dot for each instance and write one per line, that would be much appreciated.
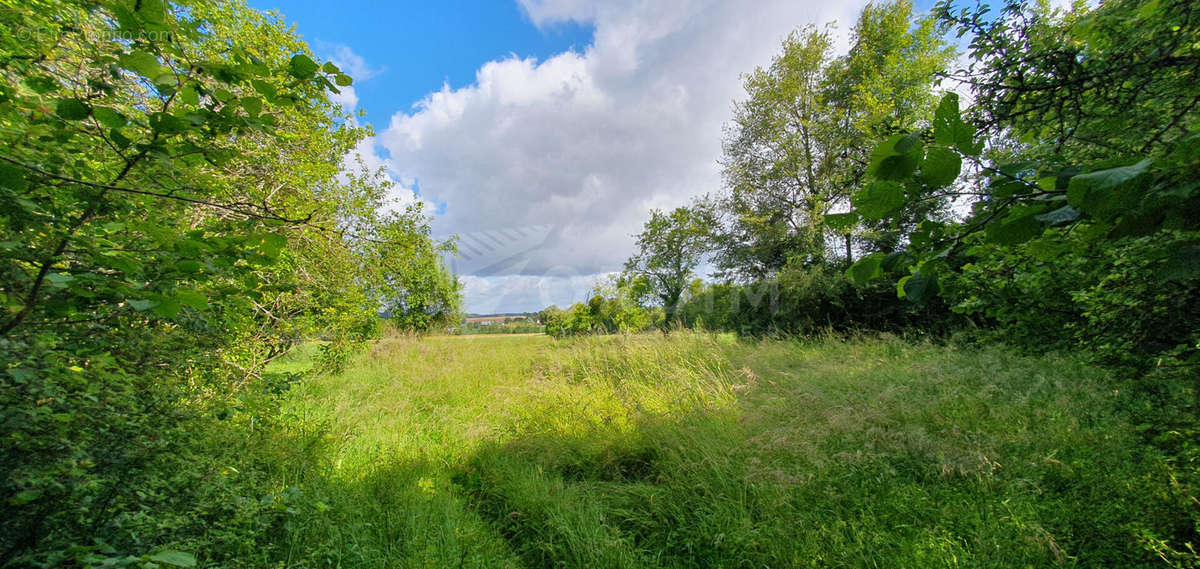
(706, 451)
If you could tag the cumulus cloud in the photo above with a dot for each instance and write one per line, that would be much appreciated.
(350, 63)
(589, 141)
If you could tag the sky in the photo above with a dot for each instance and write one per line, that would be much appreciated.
(541, 132)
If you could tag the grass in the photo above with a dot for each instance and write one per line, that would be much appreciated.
(703, 450)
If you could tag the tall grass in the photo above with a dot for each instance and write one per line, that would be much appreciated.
(703, 450)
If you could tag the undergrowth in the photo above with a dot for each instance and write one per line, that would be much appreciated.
(704, 450)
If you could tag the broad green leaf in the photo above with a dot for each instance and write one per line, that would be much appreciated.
(946, 120)
(152, 11)
(142, 63)
(167, 124)
(167, 308)
(1106, 193)
(13, 177)
(253, 105)
(896, 167)
(940, 167)
(841, 220)
(41, 84)
(343, 80)
(142, 305)
(1013, 229)
(108, 117)
(119, 139)
(917, 287)
(866, 268)
(907, 143)
(189, 96)
(24, 497)
(192, 298)
(879, 199)
(59, 279)
(1064, 214)
(189, 266)
(174, 558)
(71, 109)
(1182, 264)
(302, 66)
(272, 244)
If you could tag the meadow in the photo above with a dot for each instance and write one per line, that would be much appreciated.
(704, 450)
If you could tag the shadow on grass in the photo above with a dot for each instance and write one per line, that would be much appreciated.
(1001, 464)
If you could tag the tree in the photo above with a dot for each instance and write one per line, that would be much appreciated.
(798, 146)
(174, 213)
(670, 247)
(1085, 142)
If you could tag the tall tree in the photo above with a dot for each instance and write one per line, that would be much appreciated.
(670, 247)
(798, 147)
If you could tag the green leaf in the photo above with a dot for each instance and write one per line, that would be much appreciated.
(263, 88)
(119, 139)
(329, 67)
(907, 143)
(109, 117)
(13, 177)
(272, 244)
(897, 167)
(946, 120)
(879, 199)
(142, 63)
(167, 308)
(302, 66)
(71, 109)
(253, 105)
(189, 96)
(1183, 263)
(24, 497)
(866, 268)
(174, 558)
(142, 305)
(41, 84)
(59, 279)
(841, 220)
(940, 167)
(1064, 214)
(917, 287)
(343, 80)
(167, 124)
(1106, 193)
(189, 266)
(1013, 229)
(152, 11)
(192, 298)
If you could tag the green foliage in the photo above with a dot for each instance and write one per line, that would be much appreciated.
(1089, 172)
(174, 215)
(812, 300)
(798, 147)
(615, 305)
(670, 247)
(687, 450)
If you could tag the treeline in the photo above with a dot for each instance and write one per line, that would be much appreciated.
(1058, 212)
(176, 211)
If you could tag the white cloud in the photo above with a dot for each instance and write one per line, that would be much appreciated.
(590, 141)
(349, 62)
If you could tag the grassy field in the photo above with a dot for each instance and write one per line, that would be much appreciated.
(706, 451)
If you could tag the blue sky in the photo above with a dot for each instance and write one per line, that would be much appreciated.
(541, 132)
(415, 47)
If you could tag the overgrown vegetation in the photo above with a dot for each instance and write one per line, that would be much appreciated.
(176, 213)
(190, 267)
(704, 450)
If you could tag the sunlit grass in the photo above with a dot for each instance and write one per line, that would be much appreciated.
(697, 450)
